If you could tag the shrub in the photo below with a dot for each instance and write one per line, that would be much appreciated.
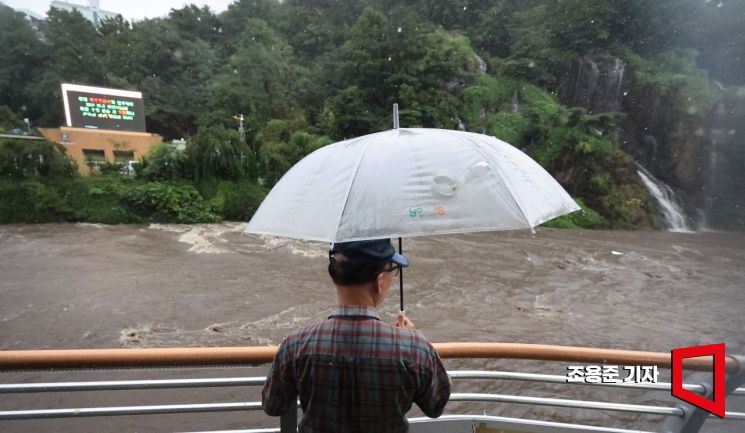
(241, 199)
(96, 199)
(163, 162)
(168, 202)
(218, 153)
(27, 159)
(235, 201)
(31, 201)
(586, 219)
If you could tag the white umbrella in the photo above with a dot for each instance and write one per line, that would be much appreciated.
(410, 182)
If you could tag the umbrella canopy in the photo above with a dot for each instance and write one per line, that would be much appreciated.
(410, 182)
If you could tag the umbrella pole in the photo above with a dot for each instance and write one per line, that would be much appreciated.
(400, 242)
(401, 275)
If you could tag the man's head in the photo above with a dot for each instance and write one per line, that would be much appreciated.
(358, 263)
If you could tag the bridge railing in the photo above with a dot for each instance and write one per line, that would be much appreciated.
(46, 360)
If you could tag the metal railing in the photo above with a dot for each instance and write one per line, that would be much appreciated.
(40, 360)
(100, 358)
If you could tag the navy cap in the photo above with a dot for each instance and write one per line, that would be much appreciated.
(368, 253)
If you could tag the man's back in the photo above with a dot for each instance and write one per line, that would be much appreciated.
(354, 373)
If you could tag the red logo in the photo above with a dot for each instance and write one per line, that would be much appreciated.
(716, 406)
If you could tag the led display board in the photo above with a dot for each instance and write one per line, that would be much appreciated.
(101, 108)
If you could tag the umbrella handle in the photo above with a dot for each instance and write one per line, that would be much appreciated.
(401, 318)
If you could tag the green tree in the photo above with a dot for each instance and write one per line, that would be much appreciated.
(167, 60)
(282, 143)
(237, 17)
(490, 30)
(31, 159)
(119, 58)
(72, 44)
(22, 58)
(33, 177)
(193, 22)
(9, 120)
(164, 162)
(316, 27)
(260, 78)
(218, 153)
(398, 59)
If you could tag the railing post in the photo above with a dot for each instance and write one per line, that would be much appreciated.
(695, 417)
(288, 421)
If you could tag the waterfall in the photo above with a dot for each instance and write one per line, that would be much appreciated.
(615, 80)
(482, 65)
(585, 83)
(672, 213)
(597, 86)
(515, 102)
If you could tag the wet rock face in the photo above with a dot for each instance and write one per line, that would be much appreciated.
(702, 156)
(721, 198)
(594, 85)
(700, 153)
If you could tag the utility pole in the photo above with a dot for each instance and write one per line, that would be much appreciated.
(241, 129)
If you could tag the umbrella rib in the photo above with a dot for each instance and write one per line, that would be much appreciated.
(504, 179)
(349, 187)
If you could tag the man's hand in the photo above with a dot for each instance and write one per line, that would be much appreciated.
(403, 322)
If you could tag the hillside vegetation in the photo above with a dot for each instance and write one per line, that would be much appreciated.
(308, 73)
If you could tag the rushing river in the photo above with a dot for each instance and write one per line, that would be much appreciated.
(90, 286)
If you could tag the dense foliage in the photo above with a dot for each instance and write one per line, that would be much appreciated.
(309, 72)
(38, 183)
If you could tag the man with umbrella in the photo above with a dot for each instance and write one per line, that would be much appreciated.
(352, 372)
(400, 183)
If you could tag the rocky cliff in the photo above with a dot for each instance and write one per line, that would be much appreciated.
(683, 127)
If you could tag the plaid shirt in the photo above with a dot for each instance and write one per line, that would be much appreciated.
(354, 373)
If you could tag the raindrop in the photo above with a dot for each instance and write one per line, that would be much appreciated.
(389, 58)
(399, 29)
(719, 4)
(625, 93)
(592, 21)
(465, 7)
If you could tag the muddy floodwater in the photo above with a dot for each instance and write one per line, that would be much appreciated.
(90, 286)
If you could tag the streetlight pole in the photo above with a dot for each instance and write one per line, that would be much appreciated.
(241, 129)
